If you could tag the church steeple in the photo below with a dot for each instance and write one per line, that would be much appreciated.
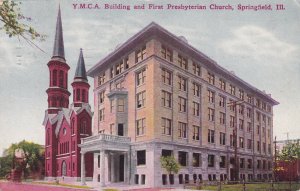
(58, 94)
(80, 70)
(80, 84)
(58, 50)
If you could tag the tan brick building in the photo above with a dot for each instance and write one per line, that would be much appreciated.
(157, 95)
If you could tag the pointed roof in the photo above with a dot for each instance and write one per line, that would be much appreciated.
(58, 50)
(80, 70)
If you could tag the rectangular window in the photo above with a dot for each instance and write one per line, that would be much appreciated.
(232, 141)
(269, 108)
(248, 112)
(196, 160)
(221, 101)
(268, 133)
(166, 76)
(249, 98)
(167, 53)
(222, 138)
(269, 121)
(264, 119)
(264, 147)
(222, 84)
(258, 146)
(211, 78)
(196, 133)
(222, 161)
(112, 106)
(182, 83)
(269, 148)
(241, 109)
(211, 161)
(258, 164)
(119, 68)
(211, 114)
(232, 121)
(141, 99)
(182, 130)
(222, 118)
(211, 136)
(166, 126)
(232, 105)
(241, 94)
(101, 79)
(196, 89)
(101, 114)
(101, 97)
(166, 153)
(232, 89)
(121, 105)
(249, 144)
(141, 157)
(182, 158)
(258, 129)
(182, 104)
(141, 77)
(249, 163)
(264, 106)
(183, 62)
(140, 126)
(241, 142)
(166, 99)
(242, 163)
(211, 96)
(258, 116)
(140, 54)
(241, 124)
(196, 108)
(196, 69)
(257, 102)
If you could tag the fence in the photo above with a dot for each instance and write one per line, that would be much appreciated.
(244, 186)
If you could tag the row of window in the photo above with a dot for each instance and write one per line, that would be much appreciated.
(59, 78)
(122, 65)
(211, 160)
(182, 61)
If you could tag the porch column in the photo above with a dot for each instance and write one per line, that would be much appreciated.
(82, 169)
(126, 168)
(102, 168)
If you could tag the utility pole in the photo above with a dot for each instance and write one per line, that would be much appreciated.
(234, 104)
(275, 163)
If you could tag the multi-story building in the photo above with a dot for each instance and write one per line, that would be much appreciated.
(156, 95)
(65, 125)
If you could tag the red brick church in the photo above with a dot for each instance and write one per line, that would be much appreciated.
(65, 125)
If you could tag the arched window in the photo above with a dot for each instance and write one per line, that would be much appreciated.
(64, 168)
(83, 126)
(77, 94)
(61, 78)
(54, 101)
(73, 126)
(54, 78)
(83, 96)
(48, 137)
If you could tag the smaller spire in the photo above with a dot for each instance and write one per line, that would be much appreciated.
(58, 50)
(80, 70)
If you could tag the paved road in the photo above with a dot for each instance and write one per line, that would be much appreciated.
(10, 186)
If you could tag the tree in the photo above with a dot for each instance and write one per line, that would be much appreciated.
(170, 164)
(33, 157)
(13, 22)
(290, 152)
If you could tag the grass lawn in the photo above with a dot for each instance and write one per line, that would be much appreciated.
(63, 184)
(254, 187)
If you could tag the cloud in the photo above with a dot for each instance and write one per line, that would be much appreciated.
(257, 42)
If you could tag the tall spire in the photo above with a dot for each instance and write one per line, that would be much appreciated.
(58, 50)
(80, 70)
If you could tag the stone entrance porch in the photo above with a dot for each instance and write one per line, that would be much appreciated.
(111, 153)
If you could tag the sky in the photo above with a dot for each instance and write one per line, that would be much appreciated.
(261, 47)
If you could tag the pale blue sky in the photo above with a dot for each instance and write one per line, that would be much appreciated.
(261, 47)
